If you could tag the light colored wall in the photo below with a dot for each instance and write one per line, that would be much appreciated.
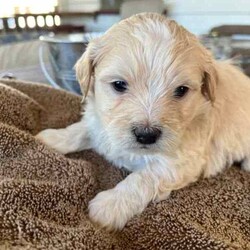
(199, 16)
(79, 5)
(101, 23)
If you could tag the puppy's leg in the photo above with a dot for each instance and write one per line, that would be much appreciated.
(66, 140)
(246, 164)
(113, 208)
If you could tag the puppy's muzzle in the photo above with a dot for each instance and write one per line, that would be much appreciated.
(146, 135)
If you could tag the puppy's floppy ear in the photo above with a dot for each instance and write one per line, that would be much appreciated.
(210, 80)
(85, 69)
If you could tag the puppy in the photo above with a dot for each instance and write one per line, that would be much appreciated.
(158, 104)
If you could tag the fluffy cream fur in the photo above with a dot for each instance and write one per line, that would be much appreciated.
(202, 133)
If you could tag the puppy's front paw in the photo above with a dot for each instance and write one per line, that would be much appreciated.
(55, 139)
(111, 209)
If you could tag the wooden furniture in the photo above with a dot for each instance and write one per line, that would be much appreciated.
(51, 21)
(242, 48)
(37, 22)
(229, 30)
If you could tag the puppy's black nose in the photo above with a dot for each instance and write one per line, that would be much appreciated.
(146, 135)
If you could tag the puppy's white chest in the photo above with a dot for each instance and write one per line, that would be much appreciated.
(132, 163)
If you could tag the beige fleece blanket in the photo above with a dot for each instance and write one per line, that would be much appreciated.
(44, 195)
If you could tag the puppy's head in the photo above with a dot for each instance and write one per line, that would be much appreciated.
(148, 81)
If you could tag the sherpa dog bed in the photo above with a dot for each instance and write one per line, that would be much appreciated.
(44, 195)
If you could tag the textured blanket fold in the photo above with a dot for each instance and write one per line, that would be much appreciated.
(44, 195)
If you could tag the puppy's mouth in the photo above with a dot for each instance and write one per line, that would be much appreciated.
(144, 149)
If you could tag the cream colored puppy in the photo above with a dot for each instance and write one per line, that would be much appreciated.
(158, 104)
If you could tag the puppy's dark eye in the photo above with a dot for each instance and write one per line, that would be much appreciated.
(181, 91)
(120, 86)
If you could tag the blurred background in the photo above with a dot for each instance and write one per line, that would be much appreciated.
(41, 40)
